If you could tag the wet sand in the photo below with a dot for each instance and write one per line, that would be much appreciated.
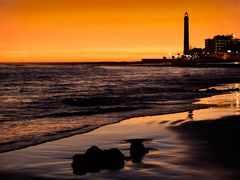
(181, 146)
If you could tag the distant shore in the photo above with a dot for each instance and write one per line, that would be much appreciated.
(193, 62)
(231, 63)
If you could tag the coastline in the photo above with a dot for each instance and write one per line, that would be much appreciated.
(197, 63)
(187, 105)
(167, 158)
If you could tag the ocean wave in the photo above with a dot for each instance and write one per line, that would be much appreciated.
(47, 102)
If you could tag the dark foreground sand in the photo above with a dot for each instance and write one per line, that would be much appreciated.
(200, 144)
(215, 141)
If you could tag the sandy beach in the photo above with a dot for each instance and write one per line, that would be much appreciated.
(175, 141)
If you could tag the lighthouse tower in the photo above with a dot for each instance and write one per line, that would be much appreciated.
(186, 34)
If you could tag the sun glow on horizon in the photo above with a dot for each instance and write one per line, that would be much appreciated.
(81, 30)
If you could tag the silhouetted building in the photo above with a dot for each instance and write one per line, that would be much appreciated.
(186, 34)
(222, 43)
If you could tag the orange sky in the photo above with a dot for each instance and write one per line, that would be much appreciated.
(97, 30)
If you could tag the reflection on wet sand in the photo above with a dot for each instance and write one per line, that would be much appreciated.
(204, 143)
(231, 98)
(214, 143)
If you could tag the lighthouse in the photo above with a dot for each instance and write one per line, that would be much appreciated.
(186, 34)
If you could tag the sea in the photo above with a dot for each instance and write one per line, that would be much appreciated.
(45, 102)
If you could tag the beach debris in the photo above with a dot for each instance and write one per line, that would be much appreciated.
(96, 159)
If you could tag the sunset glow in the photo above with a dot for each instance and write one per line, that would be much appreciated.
(107, 30)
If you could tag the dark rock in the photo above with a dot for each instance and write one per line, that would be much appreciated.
(137, 150)
(96, 159)
(79, 159)
(113, 159)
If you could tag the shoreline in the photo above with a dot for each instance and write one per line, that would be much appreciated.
(167, 157)
(192, 105)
